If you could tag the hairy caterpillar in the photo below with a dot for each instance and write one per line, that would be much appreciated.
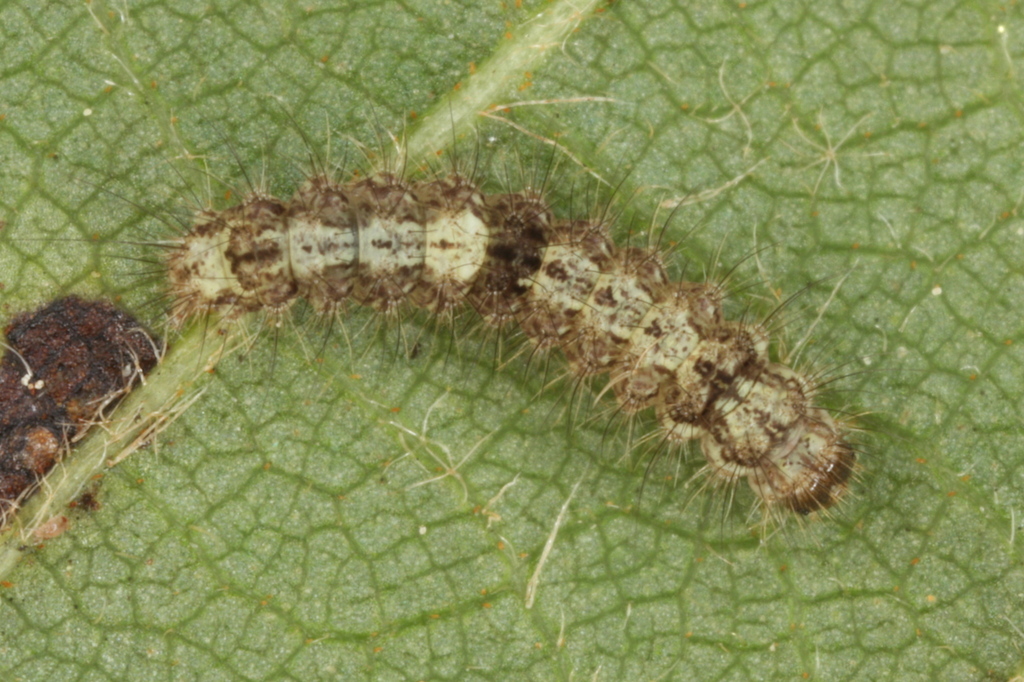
(387, 242)
(67, 364)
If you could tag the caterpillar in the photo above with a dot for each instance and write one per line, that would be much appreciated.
(391, 243)
(67, 364)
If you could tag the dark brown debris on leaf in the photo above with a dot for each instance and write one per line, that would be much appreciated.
(87, 501)
(65, 366)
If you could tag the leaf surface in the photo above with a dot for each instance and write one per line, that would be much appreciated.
(373, 501)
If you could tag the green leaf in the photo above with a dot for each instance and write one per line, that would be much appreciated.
(296, 522)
